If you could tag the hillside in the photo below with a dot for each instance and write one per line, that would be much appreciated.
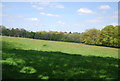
(41, 59)
(65, 47)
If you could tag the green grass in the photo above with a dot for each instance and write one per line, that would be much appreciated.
(65, 47)
(40, 59)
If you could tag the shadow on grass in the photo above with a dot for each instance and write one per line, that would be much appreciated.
(32, 64)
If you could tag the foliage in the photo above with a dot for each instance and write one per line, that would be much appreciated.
(33, 61)
(43, 77)
(108, 36)
(90, 36)
(13, 62)
(28, 70)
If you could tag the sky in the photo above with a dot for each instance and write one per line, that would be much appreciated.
(59, 16)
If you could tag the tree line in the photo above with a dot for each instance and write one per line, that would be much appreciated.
(108, 36)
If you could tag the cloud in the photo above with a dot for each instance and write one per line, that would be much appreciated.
(40, 8)
(37, 24)
(47, 4)
(10, 20)
(114, 24)
(104, 7)
(78, 25)
(114, 17)
(31, 19)
(50, 4)
(1, 5)
(48, 14)
(96, 20)
(59, 6)
(36, 7)
(11, 16)
(115, 12)
(83, 11)
(60, 22)
(102, 19)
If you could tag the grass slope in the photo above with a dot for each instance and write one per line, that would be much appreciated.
(65, 47)
(39, 59)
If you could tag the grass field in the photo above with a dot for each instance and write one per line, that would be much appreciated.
(25, 58)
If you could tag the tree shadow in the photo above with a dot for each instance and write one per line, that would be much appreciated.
(32, 64)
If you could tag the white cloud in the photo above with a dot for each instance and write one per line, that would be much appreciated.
(31, 19)
(96, 20)
(37, 24)
(115, 12)
(34, 6)
(10, 20)
(1, 5)
(83, 11)
(40, 8)
(78, 24)
(37, 7)
(105, 7)
(48, 14)
(102, 19)
(11, 16)
(114, 17)
(60, 22)
(114, 24)
(60, 6)
(50, 4)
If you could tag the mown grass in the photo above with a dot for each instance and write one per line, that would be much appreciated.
(39, 59)
(65, 47)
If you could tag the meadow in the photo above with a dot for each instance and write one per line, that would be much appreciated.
(25, 58)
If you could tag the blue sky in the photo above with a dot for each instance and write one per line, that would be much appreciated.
(59, 16)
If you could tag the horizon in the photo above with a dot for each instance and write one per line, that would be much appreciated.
(59, 16)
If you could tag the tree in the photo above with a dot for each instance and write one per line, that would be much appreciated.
(90, 36)
(107, 35)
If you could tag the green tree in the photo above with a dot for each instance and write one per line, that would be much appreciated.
(107, 35)
(90, 36)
